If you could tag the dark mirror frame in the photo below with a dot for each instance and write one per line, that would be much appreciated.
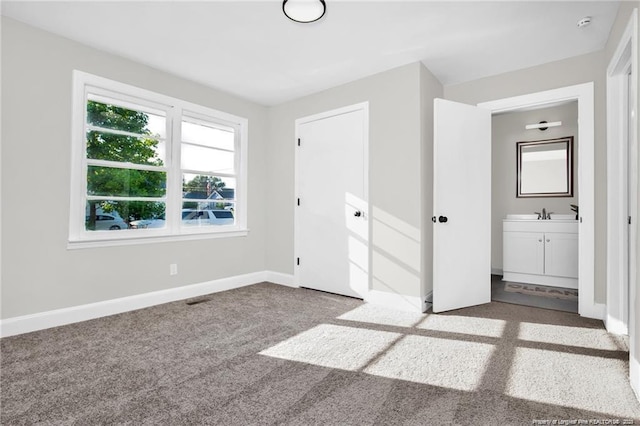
(569, 164)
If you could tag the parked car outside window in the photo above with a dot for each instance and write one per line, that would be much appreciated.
(191, 217)
(107, 222)
(147, 223)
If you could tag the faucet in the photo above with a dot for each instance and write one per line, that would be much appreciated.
(544, 215)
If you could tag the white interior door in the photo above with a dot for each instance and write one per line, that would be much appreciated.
(462, 206)
(332, 238)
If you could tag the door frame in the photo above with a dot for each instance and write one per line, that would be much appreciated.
(621, 272)
(583, 94)
(625, 56)
(364, 107)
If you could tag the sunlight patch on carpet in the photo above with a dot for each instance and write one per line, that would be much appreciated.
(334, 346)
(373, 314)
(447, 363)
(551, 377)
(465, 325)
(594, 338)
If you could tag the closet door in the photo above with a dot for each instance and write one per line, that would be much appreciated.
(332, 215)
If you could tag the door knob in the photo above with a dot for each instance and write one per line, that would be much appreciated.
(442, 219)
(358, 213)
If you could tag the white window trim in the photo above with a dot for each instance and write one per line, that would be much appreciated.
(175, 109)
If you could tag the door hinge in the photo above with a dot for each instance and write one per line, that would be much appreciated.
(298, 261)
(298, 141)
(298, 201)
(629, 220)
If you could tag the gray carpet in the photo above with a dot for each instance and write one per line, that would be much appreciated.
(267, 354)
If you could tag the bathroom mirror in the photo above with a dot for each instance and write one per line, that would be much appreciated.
(545, 168)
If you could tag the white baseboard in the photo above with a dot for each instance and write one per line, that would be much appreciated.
(58, 317)
(280, 278)
(634, 376)
(396, 301)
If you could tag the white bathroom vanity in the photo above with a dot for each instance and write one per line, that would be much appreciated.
(541, 252)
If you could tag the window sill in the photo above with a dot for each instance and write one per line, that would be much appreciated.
(82, 244)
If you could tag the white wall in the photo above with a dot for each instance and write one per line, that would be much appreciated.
(567, 72)
(508, 129)
(397, 133)
(38, 272)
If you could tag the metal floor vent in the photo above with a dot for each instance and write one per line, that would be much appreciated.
(198, 301)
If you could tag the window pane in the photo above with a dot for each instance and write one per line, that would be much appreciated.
(125, 182)
(109, 215)
(207, 159)
(108, 116)
(211, 137)
(207, 189)
(126, 149)
(197, 216)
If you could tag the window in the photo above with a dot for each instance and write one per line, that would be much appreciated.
(147, 166)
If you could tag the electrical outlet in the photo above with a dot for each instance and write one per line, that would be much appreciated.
(173, 269)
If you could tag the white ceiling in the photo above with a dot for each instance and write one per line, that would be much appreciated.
(252, 50)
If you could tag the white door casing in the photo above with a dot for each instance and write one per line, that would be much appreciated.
(622, 178)
(462, 206)
(622, 169)
(331, 206)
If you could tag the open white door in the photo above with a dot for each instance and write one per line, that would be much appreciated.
(462, 206)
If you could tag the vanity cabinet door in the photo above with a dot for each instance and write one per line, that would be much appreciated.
(523, 252)
(561, 255)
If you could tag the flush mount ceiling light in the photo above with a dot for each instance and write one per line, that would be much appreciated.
(304, 11)
(543, 125)
(584, 22)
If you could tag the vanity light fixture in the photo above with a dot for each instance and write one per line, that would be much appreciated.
(304, 11)
(543, 125)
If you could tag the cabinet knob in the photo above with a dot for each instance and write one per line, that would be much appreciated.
(548, 240)
(540, 240)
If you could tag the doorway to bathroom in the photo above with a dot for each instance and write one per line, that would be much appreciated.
(581, 97)
(534, 205)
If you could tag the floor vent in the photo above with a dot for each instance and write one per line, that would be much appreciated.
(198, 301)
